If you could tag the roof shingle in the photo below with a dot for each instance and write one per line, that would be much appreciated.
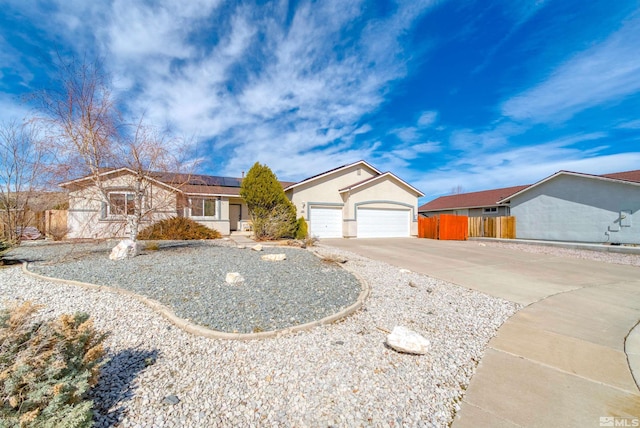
(485, 198)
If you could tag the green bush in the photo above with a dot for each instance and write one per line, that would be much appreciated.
(302, 230)
(47, 368)
(178, 228)
(273, 215)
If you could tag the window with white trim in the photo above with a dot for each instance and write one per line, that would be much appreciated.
(122, 203)
(203, 207)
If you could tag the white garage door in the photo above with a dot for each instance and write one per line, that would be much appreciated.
(326, 222)
(383, 223)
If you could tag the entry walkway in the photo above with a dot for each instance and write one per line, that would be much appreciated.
(561, 360)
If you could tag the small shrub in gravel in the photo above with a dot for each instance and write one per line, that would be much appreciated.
(152, 246)
(47, 368)
(302, 230)
(178, 228)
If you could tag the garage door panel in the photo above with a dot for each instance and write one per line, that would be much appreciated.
(378, 223)
(326, 222)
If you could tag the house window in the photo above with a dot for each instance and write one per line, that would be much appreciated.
(122, 203)
(491, 210)
(202, 207)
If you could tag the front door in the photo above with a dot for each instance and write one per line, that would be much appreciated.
(235, 213)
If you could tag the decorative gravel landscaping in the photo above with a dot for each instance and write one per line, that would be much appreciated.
(189, 278)
(340, 374)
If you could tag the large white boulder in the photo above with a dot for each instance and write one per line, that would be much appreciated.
(274, 257)
(234, 278)
(125, 248)
(404, 340)
(257, 247)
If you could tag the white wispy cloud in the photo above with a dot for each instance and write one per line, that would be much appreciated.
(606, 72)
(427, 119)
(520, 12)
(631, 124)
(493, 137)
(480, 169)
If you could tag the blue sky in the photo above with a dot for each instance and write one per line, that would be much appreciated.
(476, 94)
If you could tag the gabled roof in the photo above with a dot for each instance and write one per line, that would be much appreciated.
(380, 177)
(485, 198)
(631, 177)
(331, 171)
(190, 184)
(113, 171)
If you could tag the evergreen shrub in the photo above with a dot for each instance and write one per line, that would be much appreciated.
(47, 368)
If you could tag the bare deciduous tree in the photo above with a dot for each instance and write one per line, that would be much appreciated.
(456, 190)
(90, 138)
(22, 176)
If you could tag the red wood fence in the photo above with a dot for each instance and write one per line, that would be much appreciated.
(460, 227)
(444, 226)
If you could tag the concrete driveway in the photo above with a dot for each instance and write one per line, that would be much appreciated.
(561, 360)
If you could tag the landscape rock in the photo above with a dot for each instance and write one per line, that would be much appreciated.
(274, 257)
(257, 247)
(404, 340)
(234, 278)
(241, 247)
(125, 248)
(405, 271)
(171, 399)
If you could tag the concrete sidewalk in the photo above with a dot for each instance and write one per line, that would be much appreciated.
(561, 360)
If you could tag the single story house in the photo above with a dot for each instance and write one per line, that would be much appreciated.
(577, 207)
(566, 206)
(354, 200)
(473, 204)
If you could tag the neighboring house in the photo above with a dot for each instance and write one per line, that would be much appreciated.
(571, 206)
(473, 204)
(349, 201)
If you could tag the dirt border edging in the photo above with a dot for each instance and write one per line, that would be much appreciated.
(199, 330)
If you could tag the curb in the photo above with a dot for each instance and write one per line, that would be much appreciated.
(199, 330)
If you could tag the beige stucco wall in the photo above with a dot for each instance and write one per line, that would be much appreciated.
(386, 193)
(221, 222)
(324, 192)
(85, 218)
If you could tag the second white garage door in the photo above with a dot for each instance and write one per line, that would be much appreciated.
(326, 222)
(374, 223)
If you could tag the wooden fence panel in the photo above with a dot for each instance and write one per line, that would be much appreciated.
(475, 227)
(453, 227)
(456, 227)
(443, 226)
(508, 228)
(488, 227)
(492, 227)
(428, 227)
(55, 223)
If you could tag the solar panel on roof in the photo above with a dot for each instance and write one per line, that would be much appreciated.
(210, 180)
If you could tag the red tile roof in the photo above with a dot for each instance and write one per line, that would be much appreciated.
(485, 198)
(626, 175)
(488, 198)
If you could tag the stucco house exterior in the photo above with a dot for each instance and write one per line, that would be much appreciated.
(354, 200)
(577, 207)
(473, 204)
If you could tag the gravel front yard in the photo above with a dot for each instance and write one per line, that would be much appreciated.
(190, 279)
(335, 375)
